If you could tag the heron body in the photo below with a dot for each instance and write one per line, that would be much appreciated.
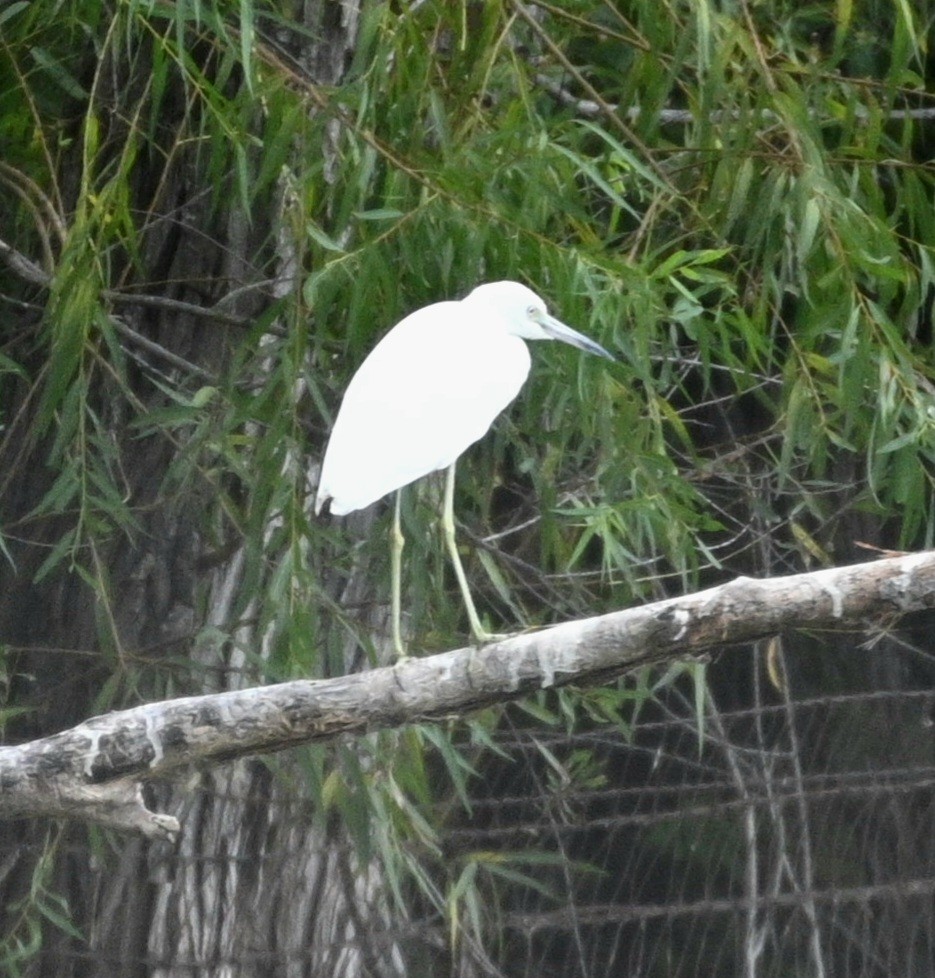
(427, 391)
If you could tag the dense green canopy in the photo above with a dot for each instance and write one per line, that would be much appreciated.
(212, 211)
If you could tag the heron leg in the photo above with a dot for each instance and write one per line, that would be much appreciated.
(396, 560)
(481, 636)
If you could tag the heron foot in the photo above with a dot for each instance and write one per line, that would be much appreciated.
(481, 637)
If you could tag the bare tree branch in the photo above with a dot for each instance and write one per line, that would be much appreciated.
(590, 108)
(95, 770)
(30, 272)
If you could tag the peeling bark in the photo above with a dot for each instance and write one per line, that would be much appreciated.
(95, 770)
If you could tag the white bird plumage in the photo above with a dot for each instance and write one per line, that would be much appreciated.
(427, 391)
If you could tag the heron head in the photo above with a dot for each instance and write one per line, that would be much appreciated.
(524, 314)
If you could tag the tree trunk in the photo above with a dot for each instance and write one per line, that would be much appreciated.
(256, 883)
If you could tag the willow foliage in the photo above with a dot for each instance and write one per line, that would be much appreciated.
(735, 198)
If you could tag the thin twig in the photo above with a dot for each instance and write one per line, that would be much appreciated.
(31, 272)
(589, 108)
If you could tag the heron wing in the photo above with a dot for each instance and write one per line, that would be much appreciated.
(429, 389)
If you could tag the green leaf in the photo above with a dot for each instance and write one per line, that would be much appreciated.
(12, 9)
(59, 73)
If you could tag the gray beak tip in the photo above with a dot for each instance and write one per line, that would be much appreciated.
(559, 331)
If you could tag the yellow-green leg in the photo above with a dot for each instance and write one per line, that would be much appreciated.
(481, 636)
(396, 562)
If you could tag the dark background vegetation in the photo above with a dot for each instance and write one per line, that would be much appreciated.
(209, 212)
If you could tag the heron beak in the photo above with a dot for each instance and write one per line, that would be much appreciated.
(557, 330)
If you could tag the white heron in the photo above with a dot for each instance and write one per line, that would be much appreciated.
(429, 389)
